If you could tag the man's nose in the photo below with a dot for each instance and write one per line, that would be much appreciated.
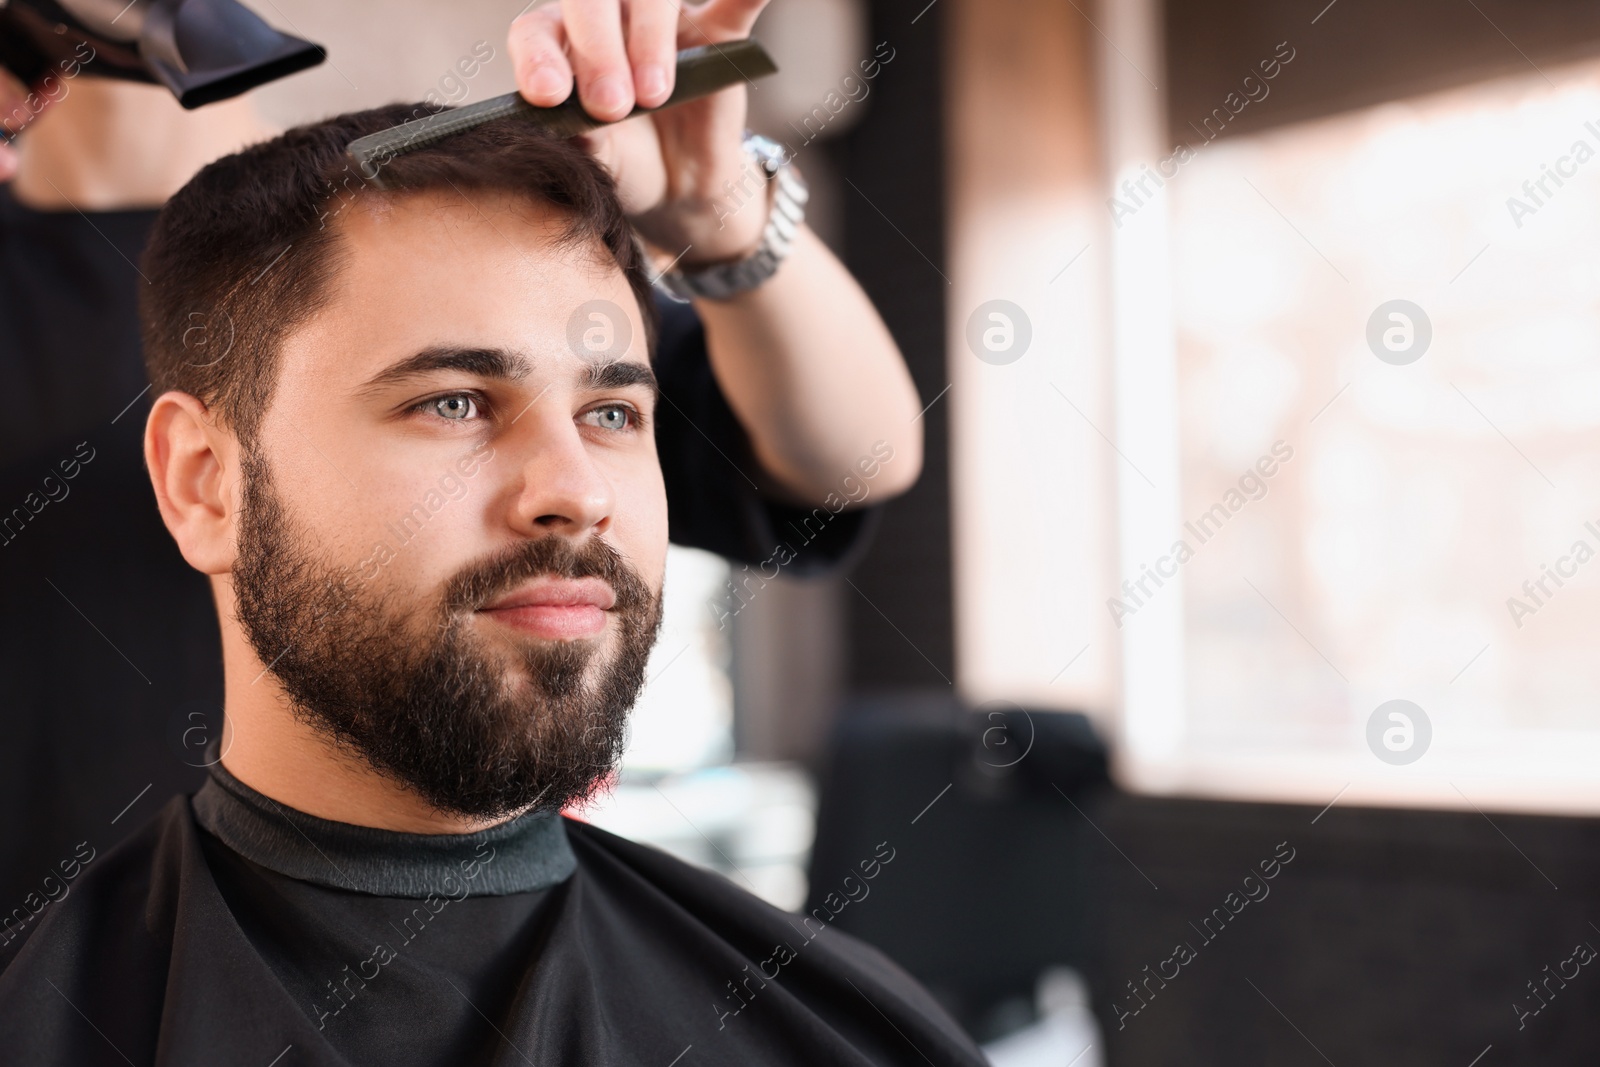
(563, 489)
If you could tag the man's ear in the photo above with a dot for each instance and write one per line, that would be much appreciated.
(193, 467)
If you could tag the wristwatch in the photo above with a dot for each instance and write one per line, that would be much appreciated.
(720, 281)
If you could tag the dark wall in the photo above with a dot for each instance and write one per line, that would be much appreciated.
(1391, 936)
(900, 614)
(1356, 54)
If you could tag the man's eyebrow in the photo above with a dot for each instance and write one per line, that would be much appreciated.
(496, 363)
(620, 374)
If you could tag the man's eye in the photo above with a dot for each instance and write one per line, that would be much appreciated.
(456, 406)
(613, 417)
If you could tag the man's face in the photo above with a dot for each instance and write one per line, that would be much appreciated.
(453, 525)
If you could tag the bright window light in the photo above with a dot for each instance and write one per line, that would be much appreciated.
(1365, 524)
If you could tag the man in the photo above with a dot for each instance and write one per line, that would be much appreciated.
(770, 406)
(375, 871)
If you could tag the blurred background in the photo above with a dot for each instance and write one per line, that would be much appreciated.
(1261, 352)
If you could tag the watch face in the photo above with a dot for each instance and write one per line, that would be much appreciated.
(768, 151)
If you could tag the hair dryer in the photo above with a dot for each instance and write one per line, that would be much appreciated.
(201, 50)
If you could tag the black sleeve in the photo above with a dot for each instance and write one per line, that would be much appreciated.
(715, 498)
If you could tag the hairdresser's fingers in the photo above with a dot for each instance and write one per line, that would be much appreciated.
(652, 47)
(631, 151)
(14, 114)
(594, 44)
(537, 45)
(13, 97)
(716, 21)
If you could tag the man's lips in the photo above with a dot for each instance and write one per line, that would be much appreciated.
(555, 608)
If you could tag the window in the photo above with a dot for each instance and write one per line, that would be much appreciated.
(1361, 529)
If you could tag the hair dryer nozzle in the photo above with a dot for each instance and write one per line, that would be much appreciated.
(201, 50)
(209, 50)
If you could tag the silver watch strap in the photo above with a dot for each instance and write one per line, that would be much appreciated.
(720, 281)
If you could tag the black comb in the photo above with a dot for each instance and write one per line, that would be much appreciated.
(702, 70)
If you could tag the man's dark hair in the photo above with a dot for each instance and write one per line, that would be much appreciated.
(246, 251)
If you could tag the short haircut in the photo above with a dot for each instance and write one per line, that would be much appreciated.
(246, 251)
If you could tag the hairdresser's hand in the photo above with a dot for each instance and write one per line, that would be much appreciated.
(20, 107)
(13, 102)
(671, 166)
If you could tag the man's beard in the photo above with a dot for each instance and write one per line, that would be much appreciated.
(409, 690)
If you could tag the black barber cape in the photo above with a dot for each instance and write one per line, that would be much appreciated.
(230, 930)
(110, 659)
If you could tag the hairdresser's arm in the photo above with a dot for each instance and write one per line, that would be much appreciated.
(804, 359)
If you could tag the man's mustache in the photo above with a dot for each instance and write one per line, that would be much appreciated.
(549, 556)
